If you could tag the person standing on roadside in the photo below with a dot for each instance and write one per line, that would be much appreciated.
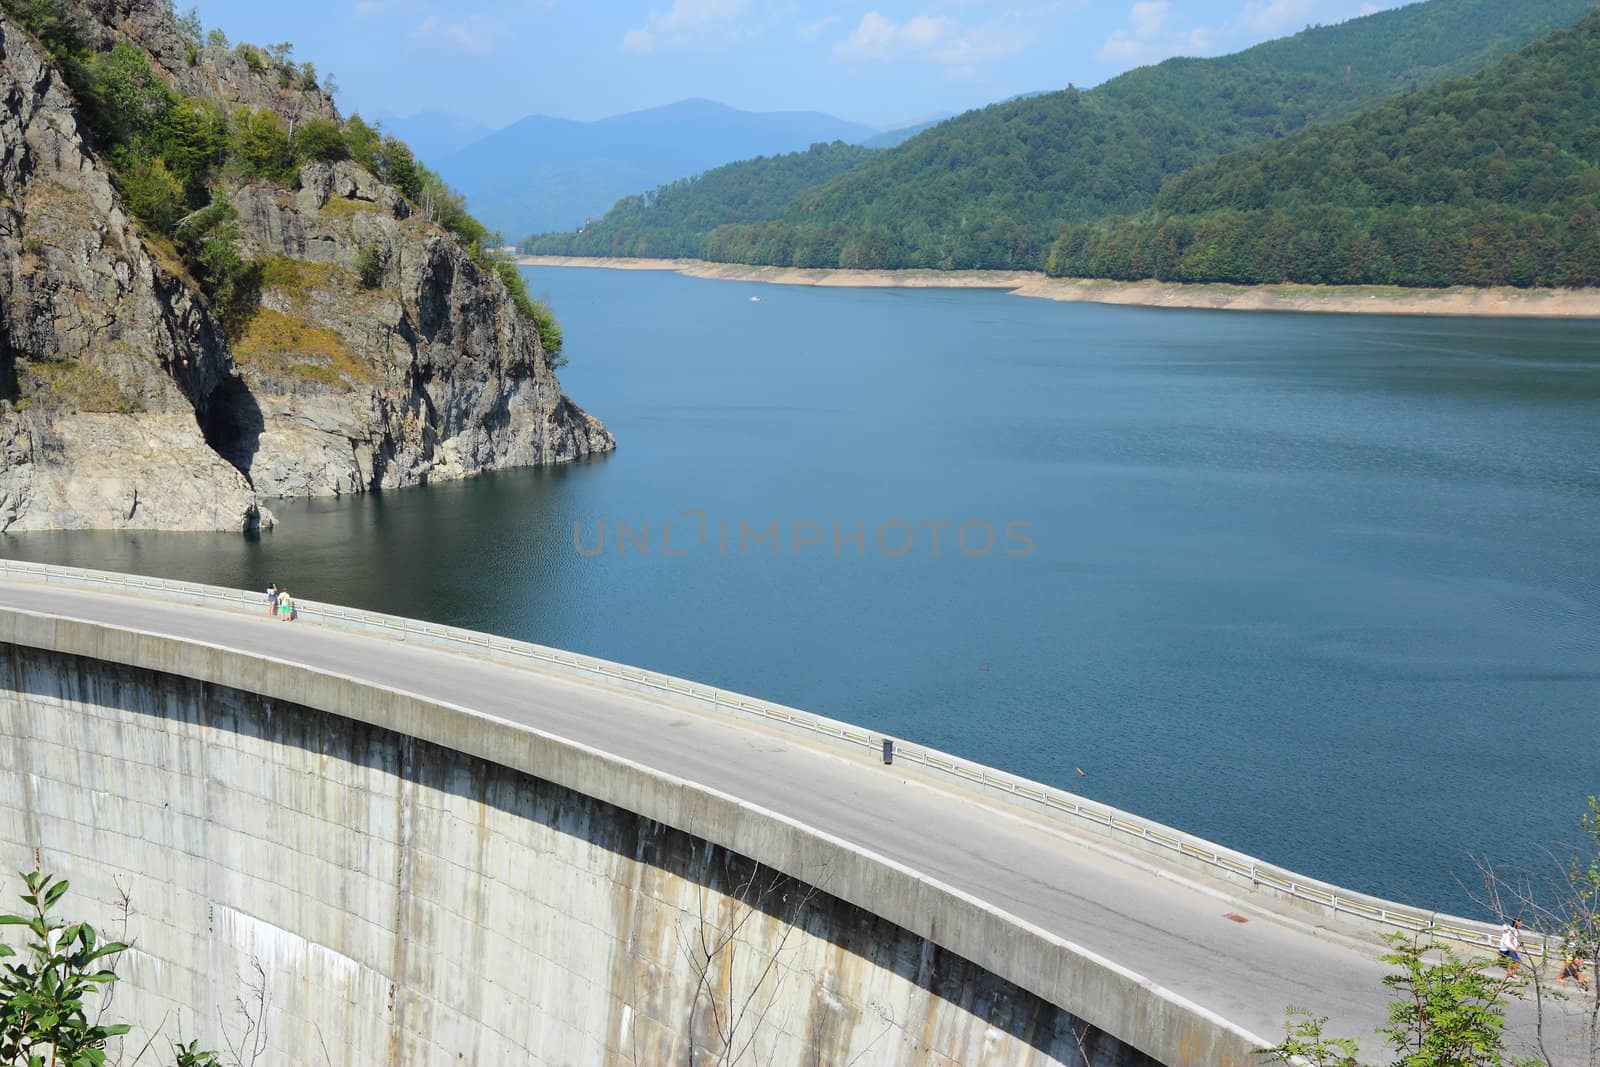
(285, 606)
(1511, 945)
(272, 600)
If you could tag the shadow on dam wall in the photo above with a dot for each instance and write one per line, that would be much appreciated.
(409, 904)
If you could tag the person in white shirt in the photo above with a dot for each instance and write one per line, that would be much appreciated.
(1511, 945)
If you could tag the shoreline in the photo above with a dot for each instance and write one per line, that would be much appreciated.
(1499, 302)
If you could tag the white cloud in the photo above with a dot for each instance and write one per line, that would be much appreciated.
(936, 38)
(810, 31)
(1148, 18)
(1276, 16)
(1273, 18)
(366, 9)
(473, 35)
(879, 38)
(686, 24)
(981, 44)
(1153, 32)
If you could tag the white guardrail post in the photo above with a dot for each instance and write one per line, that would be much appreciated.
(1235, 867)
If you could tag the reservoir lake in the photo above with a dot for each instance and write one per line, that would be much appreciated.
(1323, 588)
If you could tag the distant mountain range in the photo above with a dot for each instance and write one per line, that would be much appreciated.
(432, 135)
(542, 173)
(995, 187)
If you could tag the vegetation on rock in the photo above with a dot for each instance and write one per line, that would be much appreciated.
(175, 158)
(286, 346)
(70, 383)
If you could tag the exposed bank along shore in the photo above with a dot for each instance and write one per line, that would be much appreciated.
(1369, 299)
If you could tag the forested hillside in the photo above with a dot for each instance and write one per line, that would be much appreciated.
(992, 188)
(1490, 179)
(668, 221)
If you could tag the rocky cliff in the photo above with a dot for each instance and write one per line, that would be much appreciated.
(124, 402)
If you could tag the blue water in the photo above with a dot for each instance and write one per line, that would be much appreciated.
(1322, 588)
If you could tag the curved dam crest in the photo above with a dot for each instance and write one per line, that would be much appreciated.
(412, 904)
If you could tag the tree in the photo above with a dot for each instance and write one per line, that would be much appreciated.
(320, 139)
(208, 240)
(189, 25)
(395, 165)
(370, 264)
(1561, 897)
(261, 145)
(152, 193)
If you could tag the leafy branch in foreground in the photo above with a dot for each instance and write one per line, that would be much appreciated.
(44, 1014)
(52, 996)
(1449, 1012)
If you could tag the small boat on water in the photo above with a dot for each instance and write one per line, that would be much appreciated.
(755, 300)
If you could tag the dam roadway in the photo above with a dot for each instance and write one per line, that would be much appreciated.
(1171, 932)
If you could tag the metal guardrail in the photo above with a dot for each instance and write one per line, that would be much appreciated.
(1232, 865)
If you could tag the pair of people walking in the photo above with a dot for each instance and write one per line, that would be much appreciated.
(279, 603)
(1511, 952)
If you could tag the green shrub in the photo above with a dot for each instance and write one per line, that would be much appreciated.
(544, 323)
(45, 1017)
(193, 143)
(126, 100)
(370, 265)
(208, 241)
(54, 995)
(320, 139)
(57, 26)
(448, 208)
(152, 193)
(398, 167)
(260, 146)
(253, 58)
(362, 141)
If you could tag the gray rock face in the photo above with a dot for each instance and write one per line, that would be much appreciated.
(124, 405)
(98, 471)
(216, 73)
(430, 375)
(89, 319)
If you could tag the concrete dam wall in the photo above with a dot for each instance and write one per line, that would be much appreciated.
(403, 902)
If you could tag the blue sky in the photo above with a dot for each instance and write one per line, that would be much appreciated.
(881, 62)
